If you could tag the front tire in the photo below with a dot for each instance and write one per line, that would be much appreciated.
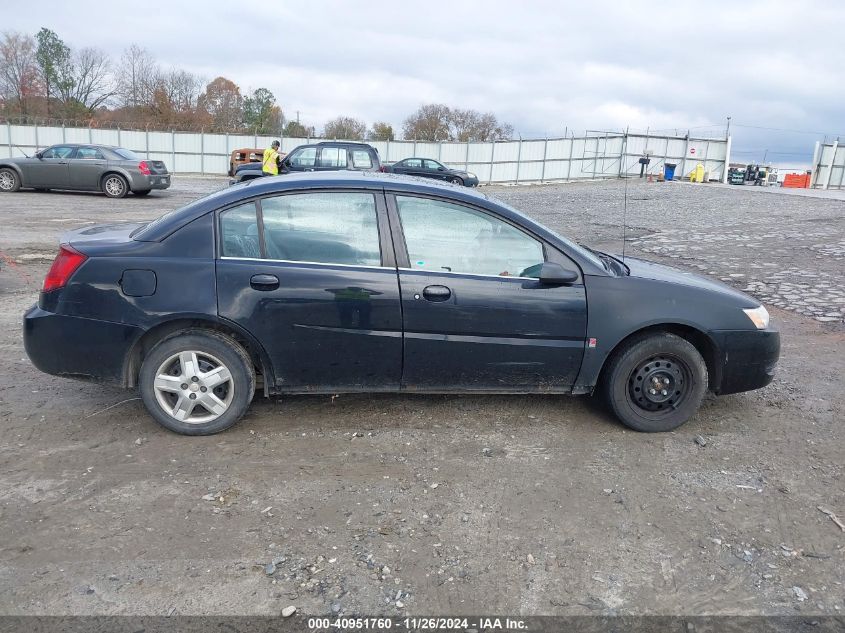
(197, 382)
(656, 382)
(456, 181)
(115, 186)
(9, 181)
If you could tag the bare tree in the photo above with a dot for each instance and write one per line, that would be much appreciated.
(136, 74)
(18, 70)
(429, 123)
(180, 88)
(89, 85)
(345, 127)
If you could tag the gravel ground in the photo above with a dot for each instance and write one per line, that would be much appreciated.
(445, 504)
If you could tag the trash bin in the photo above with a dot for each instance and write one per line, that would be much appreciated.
(669, 171)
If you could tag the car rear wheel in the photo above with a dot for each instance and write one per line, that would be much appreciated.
(198, 382)
(115, 186)
(656, 382)
(142, 193)
(9, 180)
(456, 181)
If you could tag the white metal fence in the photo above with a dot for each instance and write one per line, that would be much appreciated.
(829, 165)
(596, 155)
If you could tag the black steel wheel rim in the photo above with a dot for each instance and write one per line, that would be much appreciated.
(659, 384)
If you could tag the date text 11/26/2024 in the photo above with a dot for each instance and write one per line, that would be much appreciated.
(418, 624)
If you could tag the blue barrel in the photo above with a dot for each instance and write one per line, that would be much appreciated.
(669, 171)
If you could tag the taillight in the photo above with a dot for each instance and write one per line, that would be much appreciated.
(65, 264)
(144, 168)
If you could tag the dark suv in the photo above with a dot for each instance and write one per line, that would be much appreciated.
(324, 156)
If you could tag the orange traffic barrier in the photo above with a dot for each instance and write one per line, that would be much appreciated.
(797, 181)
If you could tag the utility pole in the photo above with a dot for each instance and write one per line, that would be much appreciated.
(728, 129)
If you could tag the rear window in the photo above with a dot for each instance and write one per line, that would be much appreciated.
(126, 154)
(361, 159)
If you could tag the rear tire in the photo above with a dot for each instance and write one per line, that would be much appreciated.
(114, 186)
(197, 382)
(9, 181)
(656, 382)
(141, 194)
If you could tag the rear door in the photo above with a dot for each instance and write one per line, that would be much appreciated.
(51, 170)
(475, 315)
(312, 275)
(85, 168)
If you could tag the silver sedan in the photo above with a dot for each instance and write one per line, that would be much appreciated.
(113, 170)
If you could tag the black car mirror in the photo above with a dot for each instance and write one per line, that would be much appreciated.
(39, 155)
(441, 169)
(555, 274)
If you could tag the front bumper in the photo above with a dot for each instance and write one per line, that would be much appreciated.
(76, 347)
(748, 359)
(470, 182)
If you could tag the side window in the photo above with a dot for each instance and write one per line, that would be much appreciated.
(333, 228)
(432, 165)
(332, 157)
(57, 152)
(447, 237)
(361, 159)
(89, 153)
(239, 232)
(413, 163)
(305, 157)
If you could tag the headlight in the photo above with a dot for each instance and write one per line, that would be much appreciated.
(471, 175)
(759, 316)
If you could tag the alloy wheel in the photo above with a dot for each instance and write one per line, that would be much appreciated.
(7, 181)
(114, 186)
(194, 387)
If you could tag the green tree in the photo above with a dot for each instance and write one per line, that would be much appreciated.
(55, 66)
(382, 132)
(295, 129)
(261, 112)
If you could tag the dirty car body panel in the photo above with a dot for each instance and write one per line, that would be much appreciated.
(325, 319)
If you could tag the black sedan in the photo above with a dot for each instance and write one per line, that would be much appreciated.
(113, 170)
(361, 282)
(428, 168)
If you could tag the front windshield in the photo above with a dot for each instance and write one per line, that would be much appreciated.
(582, 251)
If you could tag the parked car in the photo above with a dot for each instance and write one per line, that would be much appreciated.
(341, 282)
(113, 170)
(324, 156)
(428, 168)
(244, 156)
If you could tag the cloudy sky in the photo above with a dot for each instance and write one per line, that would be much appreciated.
(542, 66)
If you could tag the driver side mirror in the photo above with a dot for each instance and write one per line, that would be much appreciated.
(441, 169)
(39, 155)
(554, 274)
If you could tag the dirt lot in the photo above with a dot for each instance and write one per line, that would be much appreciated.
(432, 504)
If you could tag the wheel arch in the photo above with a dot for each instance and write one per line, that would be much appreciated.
(119, 172)
(151, 337)
(15, 168)
(699, 339)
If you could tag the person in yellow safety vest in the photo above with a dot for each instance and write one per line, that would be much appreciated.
(270, 167)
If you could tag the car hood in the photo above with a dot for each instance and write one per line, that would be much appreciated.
(658, 272)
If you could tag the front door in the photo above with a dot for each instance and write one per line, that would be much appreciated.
(51, 169)
(312, 276)
(475, 315)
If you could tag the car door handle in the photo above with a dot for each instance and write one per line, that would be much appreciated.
(436, 293)
(264, 282)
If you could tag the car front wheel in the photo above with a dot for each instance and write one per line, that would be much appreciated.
(198, 382)
(456, 181)
(9, 180)
(656, 382)
(115, 186)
